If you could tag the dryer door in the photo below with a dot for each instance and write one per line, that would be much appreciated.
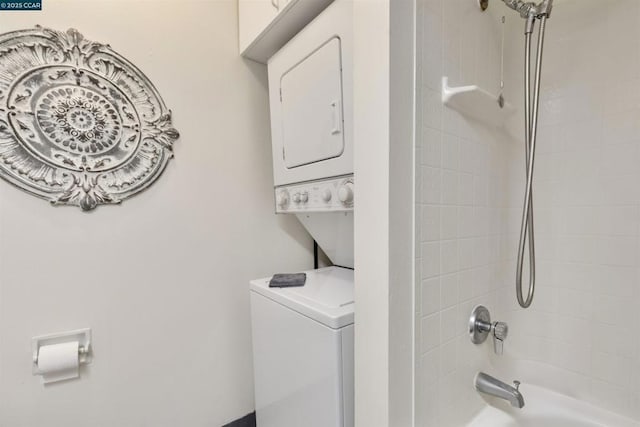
(312, 111)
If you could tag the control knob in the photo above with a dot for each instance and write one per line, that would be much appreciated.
(296, 198)
(304, 197)
(345, 193)
(326, 195)
(282, 199)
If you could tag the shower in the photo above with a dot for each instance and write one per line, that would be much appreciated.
(531, 12)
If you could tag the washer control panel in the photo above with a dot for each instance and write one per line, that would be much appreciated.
(334, 194)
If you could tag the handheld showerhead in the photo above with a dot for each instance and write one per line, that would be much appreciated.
(528, 10)
(522, 7)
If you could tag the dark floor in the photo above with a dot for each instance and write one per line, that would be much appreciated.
(248, 421)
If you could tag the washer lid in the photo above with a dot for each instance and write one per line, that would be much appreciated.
(326, 297)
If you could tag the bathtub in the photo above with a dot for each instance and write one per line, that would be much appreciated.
(545, 408)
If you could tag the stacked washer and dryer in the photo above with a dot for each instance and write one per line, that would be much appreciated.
(303, 336)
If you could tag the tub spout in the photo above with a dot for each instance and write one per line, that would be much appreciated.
(492, 386)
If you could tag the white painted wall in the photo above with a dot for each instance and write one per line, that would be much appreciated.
(402, 142)
(162, 279)
(371, 243)
(383, 114)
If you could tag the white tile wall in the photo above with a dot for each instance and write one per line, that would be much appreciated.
(579, 337)
(462, 189)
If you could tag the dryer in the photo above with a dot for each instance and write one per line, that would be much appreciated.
(311, 101)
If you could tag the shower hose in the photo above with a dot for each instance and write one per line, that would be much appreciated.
(531, 128)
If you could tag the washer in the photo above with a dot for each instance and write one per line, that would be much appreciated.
(303, 351)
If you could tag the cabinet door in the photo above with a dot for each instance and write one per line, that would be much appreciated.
(312, 116)
(254, 16)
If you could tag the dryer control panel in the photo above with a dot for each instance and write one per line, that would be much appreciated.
(329, 195)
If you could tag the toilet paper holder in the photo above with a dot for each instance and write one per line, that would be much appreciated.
(83, 336)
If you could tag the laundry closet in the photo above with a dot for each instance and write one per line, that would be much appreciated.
(303, 336)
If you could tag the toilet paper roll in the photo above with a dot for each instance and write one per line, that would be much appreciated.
(58, 362)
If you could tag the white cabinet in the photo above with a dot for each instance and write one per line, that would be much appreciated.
(267, 25)
(255, 17)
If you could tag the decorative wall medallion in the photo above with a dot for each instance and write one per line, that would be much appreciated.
(79, 124)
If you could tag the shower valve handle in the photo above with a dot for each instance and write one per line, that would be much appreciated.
(480, 326)
(500, 331)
